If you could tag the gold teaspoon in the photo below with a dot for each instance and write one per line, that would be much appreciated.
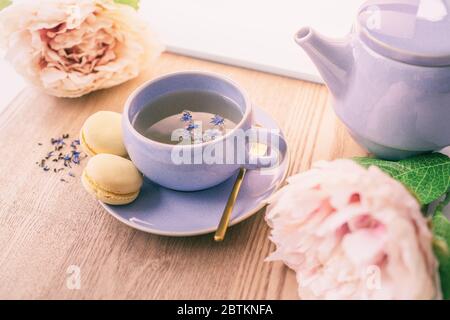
(256, 149)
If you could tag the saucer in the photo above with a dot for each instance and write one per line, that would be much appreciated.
(166, 212)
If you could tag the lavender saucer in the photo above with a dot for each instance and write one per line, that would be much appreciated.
(166, 212)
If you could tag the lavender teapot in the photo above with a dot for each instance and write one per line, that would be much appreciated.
(390, 78)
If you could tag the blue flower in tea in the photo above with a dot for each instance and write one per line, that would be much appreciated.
(218, 120)
(191, 126)
(186, 117)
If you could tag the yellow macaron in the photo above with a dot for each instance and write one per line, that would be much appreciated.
(112, 179)
(102, 133)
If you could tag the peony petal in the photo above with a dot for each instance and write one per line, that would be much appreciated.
(72, 47)
(51, 75)
(352, 233)
(363, 247)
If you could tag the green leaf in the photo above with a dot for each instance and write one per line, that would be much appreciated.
(4, 4)
(131, 3)
(426, 176)
(441, 231)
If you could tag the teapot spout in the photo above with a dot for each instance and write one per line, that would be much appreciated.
(333, 58)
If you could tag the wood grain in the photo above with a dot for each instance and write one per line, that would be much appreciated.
(47, 226)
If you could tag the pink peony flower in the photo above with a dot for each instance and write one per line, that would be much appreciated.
(352, 233)
(72, 47)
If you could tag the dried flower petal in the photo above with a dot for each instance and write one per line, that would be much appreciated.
(191, 127)
(186, 116)
(218, 120)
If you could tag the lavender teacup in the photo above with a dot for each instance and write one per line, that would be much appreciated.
(191, 165)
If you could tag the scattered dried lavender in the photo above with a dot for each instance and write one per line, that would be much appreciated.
(62, 156)
(75, 144)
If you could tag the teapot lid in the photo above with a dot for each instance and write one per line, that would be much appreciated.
(412, 31)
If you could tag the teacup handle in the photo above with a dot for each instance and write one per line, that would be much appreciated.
(266, 152)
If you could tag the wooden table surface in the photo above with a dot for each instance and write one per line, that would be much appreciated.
(47, 226)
